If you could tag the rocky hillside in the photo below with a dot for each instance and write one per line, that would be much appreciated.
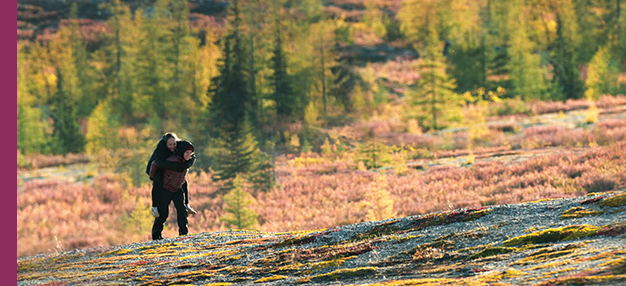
(551, 242)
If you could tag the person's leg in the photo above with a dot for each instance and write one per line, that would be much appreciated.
(165, 198)
(181, 212)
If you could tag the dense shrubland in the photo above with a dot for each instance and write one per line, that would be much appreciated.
(318, 190)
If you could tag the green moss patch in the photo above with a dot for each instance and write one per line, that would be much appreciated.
(615, 201)
(116, 252)
(578, 212)
(271, 278)
(554, 235)
(331, 263)
(613, 230)
(288, 268)
(544, 255)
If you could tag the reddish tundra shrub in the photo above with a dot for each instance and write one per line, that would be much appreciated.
(311, 193)
(553, 136)
(605, 101)
(610, 131)
(61, 215)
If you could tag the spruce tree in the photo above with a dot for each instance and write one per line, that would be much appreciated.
(137, 222)
(66, 129)
(436, 87)
(237, 207)
(498, 43)
(374, 154)
(261, 174)
(566, 78)
(153, 66)
(497, 69)
(345, 80)
(180, 32)
(288, 103)
(101, 129)
(527, 77)
(229, 92)
(87, 98)
(233, 154)
(117, 54)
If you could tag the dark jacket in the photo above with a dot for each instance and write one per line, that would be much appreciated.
(160, 155)
(173, 180)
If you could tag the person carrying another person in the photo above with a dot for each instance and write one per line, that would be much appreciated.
(167, 161)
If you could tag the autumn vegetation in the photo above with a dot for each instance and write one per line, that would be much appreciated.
(308, 116)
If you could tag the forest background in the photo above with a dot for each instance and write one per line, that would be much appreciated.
(311, 114)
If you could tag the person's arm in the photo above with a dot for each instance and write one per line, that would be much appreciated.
(155, 196)
(153, 170)
(161, 161)
(191, 160)
(185, 188)
(150, 161)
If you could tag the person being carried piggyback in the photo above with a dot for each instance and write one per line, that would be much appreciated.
(175, 188)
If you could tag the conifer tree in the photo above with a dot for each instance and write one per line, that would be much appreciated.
(257, 38)
(527, 77)
(63, 60)
(378, 200)
(345, 80)
(87, 99)
(593, 28)
(497, 69)
(288, 103)
(324, 57)
(237, 207)
(153, 65)
(465, 26)
(137, 222)
(436, 88)
(31, 134)
(498, 43)
(416, 18)
(261, 174)
(117, 55)
(180, 48)
(39, 72)
(229, 92)
(566, 78)
(101, 129)
(601, 75)
(374, 154)
(66, 129)
(233, 154)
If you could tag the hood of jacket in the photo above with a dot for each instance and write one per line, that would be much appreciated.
(162, 147)
(181, 147)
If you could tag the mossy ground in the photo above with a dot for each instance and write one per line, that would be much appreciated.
(394, 252)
